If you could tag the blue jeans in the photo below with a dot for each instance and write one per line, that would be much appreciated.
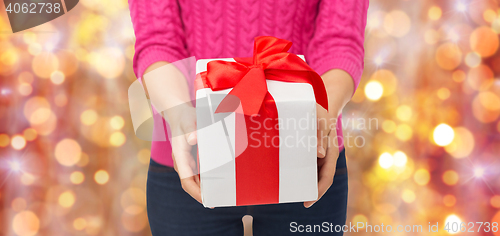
(171, 211)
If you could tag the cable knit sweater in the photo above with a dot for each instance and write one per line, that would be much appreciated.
(330, 33)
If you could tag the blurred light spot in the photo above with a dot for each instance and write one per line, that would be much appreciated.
(30, 134)
(374, 90)
(453, 36)
(134, 223)
(40, 116)
(453, 219)
(67, 199)
(4, 140)
(29, 37)
(84, 160)
(495, 201)
(379, 60)
(19, 204)
(422, 177)
(61, 100)
(458, 76)
(25, 223)
(360, 218)
(434, 13)
(109, 62)
(450, 177)
(400, 158)
(5, 91)
(489, 15)
(27, 179)
(133, 200)
(375, 19)
(431, 36)
(68, 62)
(79, 223)
(101, 177)
(478, 172)
(117, 139)
(461, 7)
(44, 64)
(25, 77)
(404, 113)
(117, 122)
(449, 200)
(443, 135)
(472, 59)
(408, 196)
(443, 93)
(389, 126)
(57, 77)
(18, 142)
(404, 132)
(495, 25)
(77, 177)
(88, 117)
(484, 41)
(94, 225)
(134, 209)
(144, 156)
(486, 107)
(34, 104)
(9, 56)
(387, 80)
(480, 78)
(385, 160)
(34, 49)
(489, 100)
(448, 56)
(68, 152)
(25, 89)
(15, 166)
(397, 23)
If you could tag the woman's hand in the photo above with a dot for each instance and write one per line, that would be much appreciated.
(339, 86)
(169, 93)
(183, 123)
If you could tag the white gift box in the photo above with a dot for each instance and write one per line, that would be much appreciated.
(217, 148)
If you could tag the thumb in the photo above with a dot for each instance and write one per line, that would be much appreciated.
(189, 129)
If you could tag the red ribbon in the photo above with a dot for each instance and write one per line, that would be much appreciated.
(247, 76)
(257, 167)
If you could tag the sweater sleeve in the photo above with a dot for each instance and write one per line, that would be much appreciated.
(158, 31)
(337, 42)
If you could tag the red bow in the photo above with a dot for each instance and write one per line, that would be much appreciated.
(247, 76)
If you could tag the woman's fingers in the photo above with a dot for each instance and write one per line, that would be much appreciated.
(192, 187)
(327, 167)
(322, 136)
(192, 138)
(323, 131)
(325, 177)
(184, 162)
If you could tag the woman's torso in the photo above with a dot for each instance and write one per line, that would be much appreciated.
(227, 28)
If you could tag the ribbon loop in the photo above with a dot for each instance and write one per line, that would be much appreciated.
(247, 76)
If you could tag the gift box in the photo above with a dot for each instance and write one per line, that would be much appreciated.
(256, 131)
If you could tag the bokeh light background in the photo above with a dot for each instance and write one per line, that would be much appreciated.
(70, 163)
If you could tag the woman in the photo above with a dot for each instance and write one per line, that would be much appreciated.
(330, 33)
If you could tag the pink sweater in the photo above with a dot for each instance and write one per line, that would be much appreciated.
(330, 33)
